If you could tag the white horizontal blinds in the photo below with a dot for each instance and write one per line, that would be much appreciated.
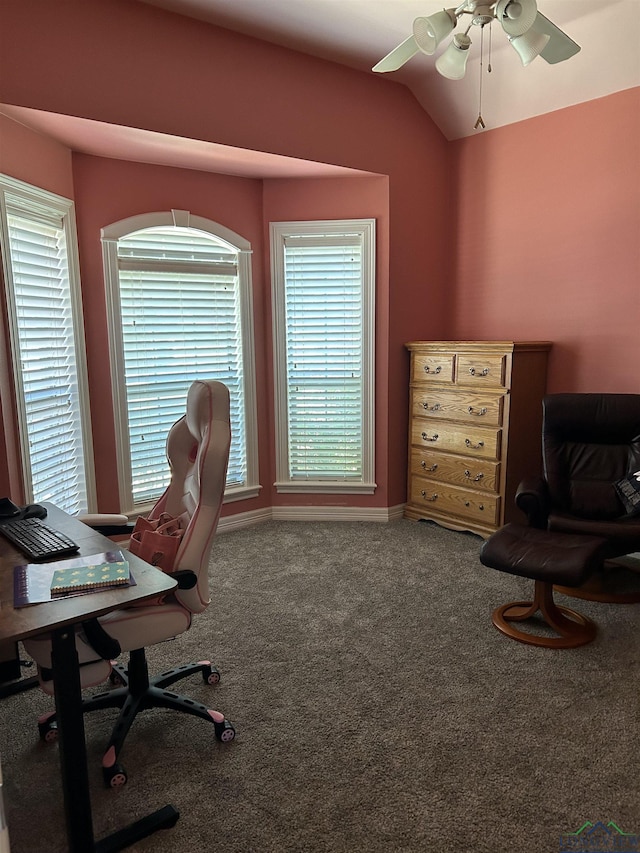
(180, 309)
(48, 371)
(324, 343)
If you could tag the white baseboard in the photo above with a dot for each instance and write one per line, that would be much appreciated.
(244, 519)
(310, 513)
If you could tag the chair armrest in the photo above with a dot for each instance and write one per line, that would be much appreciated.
(91, 519)
(532, 497)
(185, 577)
(109, 524)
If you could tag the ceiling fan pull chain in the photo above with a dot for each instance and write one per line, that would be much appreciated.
(490, 46)
(480, 121)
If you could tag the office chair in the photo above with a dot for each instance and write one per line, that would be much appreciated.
(589, 442)
(198, 452)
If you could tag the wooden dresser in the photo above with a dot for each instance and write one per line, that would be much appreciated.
(475, 423)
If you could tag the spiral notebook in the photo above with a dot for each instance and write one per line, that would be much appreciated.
(32, 581)
(94, 576)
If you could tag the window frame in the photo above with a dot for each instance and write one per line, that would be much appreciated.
(183, 218)
(279, 232)
(32, 199)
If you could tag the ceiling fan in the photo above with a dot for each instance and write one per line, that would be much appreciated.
(528, 31)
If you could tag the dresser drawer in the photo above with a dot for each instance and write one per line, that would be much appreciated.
(448, 500)
(469, 406)
(456, 438)
(433, 367)
(488, 371)
(480, 474)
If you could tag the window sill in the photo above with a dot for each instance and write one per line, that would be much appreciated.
(324, 487)
(241, 493)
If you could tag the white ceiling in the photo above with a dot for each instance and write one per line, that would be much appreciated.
(360, 32)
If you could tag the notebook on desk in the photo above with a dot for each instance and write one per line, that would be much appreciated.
(32, 581)
(98, 575)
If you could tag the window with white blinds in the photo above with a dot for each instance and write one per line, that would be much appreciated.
(181, 308)
(37, 231)
(323, 298)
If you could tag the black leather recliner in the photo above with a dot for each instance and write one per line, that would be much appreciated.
(577, 520)
(589, 442)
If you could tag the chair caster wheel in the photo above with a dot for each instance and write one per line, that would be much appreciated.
(114, 776)
(225, 731)
(48, 731)
(211, 675)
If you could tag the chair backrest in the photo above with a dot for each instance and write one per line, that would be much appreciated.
(198, 454)
(589, 441)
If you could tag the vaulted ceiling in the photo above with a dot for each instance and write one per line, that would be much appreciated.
(360, 32)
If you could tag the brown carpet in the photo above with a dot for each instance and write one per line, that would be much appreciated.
(376, 706)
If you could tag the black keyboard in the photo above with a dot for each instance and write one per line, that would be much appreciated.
(36, 539)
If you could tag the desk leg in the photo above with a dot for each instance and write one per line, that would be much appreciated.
(73, 752)
(73, 761)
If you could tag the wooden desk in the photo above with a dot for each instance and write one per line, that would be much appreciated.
(59, 618)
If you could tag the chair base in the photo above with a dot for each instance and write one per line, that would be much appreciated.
(138, 693)
(18, 686)
(12, 680)
(572, 628)
(141, 692)
(618, 582)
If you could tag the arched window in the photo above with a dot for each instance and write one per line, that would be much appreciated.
(180, 308)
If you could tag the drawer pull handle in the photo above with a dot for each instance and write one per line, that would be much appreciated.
(433, 467)
(476, 479)
(483, 372)
(479, 413)
(425, 437)
(427, 369)
(469, 443)
(433, 497)
(435, 408)
(468, 503)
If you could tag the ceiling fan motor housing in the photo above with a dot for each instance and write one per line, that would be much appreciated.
(482, 13)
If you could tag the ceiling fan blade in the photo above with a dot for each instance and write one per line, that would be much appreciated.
(398, 56)
(560, 46)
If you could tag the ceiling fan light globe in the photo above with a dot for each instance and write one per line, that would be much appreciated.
(513, 10)
(429, 32)
(516, 16)
(453, 62)
(529, 45)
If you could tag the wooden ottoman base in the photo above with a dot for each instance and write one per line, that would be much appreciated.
(572, 628)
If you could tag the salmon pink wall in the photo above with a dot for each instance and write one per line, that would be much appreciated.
(132, 64)
(524, 232)
(35, 158)
(548, 240)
